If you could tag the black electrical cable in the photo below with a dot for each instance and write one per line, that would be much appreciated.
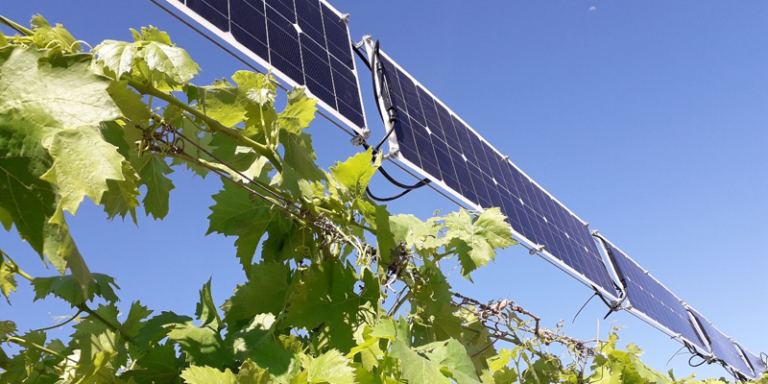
(393, 116)
(690, 359)
(385, 199)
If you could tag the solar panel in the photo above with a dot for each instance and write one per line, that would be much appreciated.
(431, 139)
(648, 297)
(757, 364)
(305, 43)
(722, 346)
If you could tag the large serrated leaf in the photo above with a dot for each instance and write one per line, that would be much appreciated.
(300, 155)
(122, 196)
(476, 238)
(330, 367)
(68, 288)
(153, 170)
(207, 375)
(26, 199)
(265, 292)
(236, 213)
(130, 103)
(206, 309)
(299, 112)
(356, 172)
(83, 162)
(52, 93)
(415, 368)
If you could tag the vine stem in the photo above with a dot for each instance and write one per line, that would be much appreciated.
(214, 125)
(400, 303)
(25, 343)
(58, 325)
(90, 312)
(16, 26)
(15, 269)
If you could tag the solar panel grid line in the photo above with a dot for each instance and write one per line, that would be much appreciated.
(644, 297)
(469, 180)
(276, 37)
(723, 347)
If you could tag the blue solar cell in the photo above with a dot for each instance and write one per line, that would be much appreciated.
(284, 8)
(337, 37)
(310, 20)
(649, 297)
(215, 11)
(284, 50)
(721, 346)
(307, 41)
(317, 71)
(757, 364)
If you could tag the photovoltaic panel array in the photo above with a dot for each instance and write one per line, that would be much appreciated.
(721, 346)
(305, 42)
(758, 365)
(434, 141)
(649, 297)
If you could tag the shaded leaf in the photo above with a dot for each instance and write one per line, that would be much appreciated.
(68, 288)
(26, 199)
(159, 365)
(300, 156)
(250, 373)
(153, 170)
(121, 197)
(206, 309)
(236, 213)
(62, 251)
(415, 368)
(265, 292)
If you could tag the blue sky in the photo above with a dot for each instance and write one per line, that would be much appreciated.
(646, 118)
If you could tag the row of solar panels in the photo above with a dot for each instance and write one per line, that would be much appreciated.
(434, 141)
(307, 43)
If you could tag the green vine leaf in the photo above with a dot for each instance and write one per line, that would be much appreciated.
(153, 170)
(207, 375)
(324, 296)
(152, 57)
(206, 309)
(130, 103)
(356, 172)
(45, 36)
(121, 197)
(62, 251)
(265, 292)
(83, 162)
(452, 354)
(415, 368)
(54, 93)
(28, 201)
(299, 112)
(7, 280)
(330, 367)
(236, 213)
(68, 288)
(300, 156)
(250, 373)
(159, 365)
(475, 238)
